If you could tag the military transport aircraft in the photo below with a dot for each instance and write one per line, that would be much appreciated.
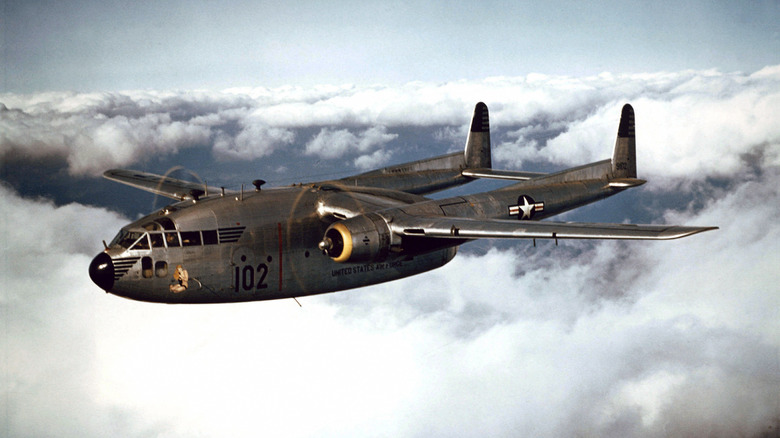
(305, 239)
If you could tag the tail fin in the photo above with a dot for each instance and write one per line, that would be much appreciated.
(478, 142)
(624, 155)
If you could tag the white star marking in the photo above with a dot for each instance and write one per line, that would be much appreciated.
(527, 208)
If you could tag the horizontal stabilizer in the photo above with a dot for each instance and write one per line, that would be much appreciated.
(467, 228)
(625, 183)
(501, 174)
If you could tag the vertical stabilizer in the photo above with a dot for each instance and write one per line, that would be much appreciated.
(478, 142)
(624, 155)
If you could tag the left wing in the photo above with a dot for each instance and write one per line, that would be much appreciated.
(157, 184)
(467, 228)
(445, 171)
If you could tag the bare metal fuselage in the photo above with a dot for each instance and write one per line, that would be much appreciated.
(266, 248)
(266, 245)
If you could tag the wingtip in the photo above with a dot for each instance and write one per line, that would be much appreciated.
(680, 232)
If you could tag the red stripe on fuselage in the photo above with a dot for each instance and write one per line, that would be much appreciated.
(279, 229)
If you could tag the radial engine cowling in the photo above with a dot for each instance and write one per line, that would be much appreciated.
(363, 238)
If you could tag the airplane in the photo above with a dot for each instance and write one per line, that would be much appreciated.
(213, 246)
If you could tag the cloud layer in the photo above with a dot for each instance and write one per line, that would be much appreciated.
(691, 125)
(602, 339)
(645, 339)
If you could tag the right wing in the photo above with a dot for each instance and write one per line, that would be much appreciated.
(466, 228)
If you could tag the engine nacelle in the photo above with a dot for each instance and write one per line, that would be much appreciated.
(363, 238)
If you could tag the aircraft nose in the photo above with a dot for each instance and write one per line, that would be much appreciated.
(101, 271)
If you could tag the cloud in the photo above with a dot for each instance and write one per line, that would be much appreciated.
(374, 160)
(689, 130)
(47, 338)
(687, 122)
(254, 141)
(332, 144)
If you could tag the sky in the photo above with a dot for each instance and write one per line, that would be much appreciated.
(115, 45)
(591, 338)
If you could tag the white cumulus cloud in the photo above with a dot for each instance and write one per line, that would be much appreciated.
(332, 144)
(690, 125)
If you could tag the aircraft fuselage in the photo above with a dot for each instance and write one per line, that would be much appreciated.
(263, 245)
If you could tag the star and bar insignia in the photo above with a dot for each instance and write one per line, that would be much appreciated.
(526, 207)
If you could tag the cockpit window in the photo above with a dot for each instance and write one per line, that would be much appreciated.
(157, 240)
(125, 238)
(210, 237)
(167, 223)
(190, 238)
(142, 243)
(160, 224)
(172, 239)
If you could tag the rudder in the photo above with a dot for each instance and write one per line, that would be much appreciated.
(624, 155)
(477, 151)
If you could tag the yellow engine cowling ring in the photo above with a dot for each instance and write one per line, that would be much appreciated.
(363, 238)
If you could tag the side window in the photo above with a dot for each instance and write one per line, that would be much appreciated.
(210, 237)
(157, 240)
(146, 267)
(172, 239)
(190, 238)
(161, 269)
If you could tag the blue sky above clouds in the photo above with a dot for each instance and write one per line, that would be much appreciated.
(643, 339)
(112, 45)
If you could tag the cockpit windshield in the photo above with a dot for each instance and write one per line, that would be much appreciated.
(126, 238)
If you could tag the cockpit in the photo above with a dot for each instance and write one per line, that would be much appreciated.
(159, 233)
(143, 241)
(162, 233)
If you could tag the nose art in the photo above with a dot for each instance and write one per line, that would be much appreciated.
(101, 271)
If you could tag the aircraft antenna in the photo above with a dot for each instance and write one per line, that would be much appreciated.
(296, 300)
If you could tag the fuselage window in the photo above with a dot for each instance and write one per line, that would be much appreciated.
(146, 267)
(161, 269)
(190, 238)
(172, 239)
(210, 237)
(157, 240)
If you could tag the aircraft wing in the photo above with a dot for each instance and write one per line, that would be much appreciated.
(157, 184)
(445, 171)
(466, 228)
